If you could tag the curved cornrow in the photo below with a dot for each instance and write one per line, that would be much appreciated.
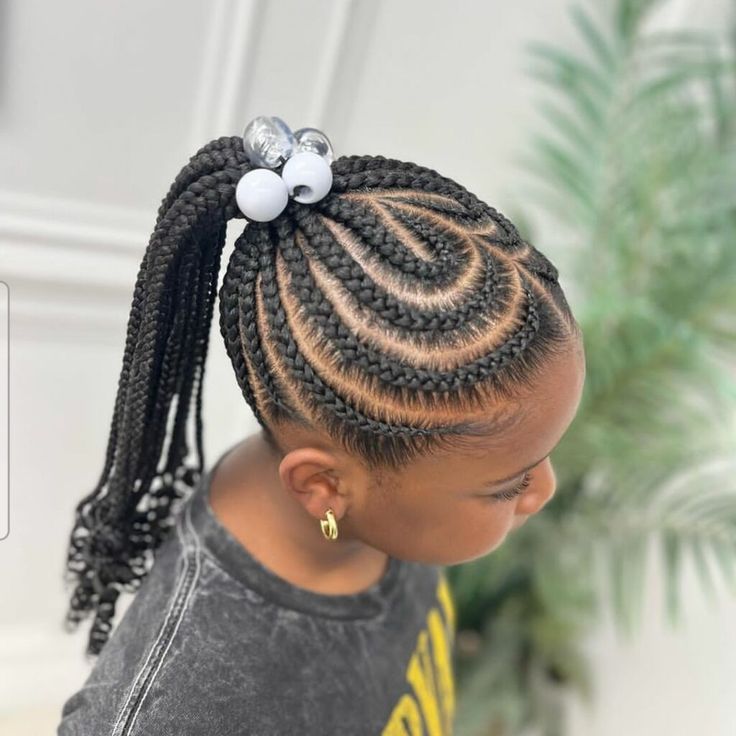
(373, 314)
(316, 321)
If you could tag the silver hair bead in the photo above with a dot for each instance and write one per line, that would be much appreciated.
(305, 158)
(268, 141)
(311, 139)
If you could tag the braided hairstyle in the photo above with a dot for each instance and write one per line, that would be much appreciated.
(371, 314)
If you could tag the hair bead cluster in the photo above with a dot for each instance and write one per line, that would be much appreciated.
(368, 313)
(262, 194)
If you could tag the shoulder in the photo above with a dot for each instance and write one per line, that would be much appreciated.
(189, 633)
(137, 647)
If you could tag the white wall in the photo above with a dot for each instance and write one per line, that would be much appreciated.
(100, 106)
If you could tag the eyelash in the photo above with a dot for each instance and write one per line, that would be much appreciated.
(512, 492)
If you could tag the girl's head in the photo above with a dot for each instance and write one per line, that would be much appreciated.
(399, 343)
(455, 502)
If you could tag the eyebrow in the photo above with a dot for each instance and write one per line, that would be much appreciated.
(517, 474)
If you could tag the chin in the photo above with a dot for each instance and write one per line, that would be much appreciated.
(469, 556)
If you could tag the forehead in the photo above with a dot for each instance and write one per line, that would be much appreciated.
(535, 422)
(515, 434)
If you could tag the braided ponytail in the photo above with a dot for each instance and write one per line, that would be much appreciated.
(129, 511)
(372, 314)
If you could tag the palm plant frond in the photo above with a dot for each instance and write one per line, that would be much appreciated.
(636, 161)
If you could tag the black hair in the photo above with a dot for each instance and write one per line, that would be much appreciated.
(397, 298)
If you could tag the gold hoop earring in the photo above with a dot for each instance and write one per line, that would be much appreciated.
(329, 525)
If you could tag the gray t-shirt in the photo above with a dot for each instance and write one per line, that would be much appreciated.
(215, 643)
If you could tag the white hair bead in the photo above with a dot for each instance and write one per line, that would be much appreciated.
(261, 195)
(308, 177)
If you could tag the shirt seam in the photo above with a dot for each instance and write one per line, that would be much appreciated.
(185, 585)
(344, 620)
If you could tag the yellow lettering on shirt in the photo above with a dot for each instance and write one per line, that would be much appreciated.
(430, 708)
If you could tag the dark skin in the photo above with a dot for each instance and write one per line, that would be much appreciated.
(437, 510)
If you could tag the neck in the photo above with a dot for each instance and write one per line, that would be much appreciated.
(249, 500)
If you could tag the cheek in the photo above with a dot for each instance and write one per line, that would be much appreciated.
(446, 533)
(477, 527)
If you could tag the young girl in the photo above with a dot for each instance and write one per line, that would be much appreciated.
(411, 361)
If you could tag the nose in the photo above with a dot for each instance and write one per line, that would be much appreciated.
(539, 493)
(547, 484)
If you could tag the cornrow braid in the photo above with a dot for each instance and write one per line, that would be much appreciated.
(373, 314)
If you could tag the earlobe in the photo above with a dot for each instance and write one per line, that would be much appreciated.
(307, 477)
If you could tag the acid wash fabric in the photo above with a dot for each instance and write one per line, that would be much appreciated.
(214, 643)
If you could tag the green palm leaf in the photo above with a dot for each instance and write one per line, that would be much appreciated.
(635, 160)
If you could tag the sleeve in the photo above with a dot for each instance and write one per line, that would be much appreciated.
(112, 694)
